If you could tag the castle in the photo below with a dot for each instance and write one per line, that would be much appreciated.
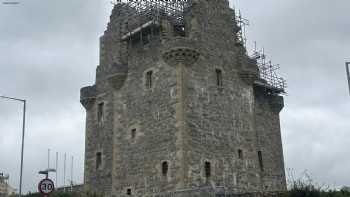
(178, 107)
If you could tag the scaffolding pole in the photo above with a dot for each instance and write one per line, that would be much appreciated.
(347, 65)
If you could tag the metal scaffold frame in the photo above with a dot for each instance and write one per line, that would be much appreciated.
(242, 24)
(171, 9)
(268, 73)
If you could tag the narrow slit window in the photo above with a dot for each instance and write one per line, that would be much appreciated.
(207, 169)
(98, 160)
(133, 133)
(165, 168)
(100, 109)
(240, 153)
(149, 80)
(219, 77)
(261, 163)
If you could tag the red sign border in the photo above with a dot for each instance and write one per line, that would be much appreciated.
(39, 188)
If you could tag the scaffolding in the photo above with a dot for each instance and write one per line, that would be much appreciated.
(240, 25)
(143, 17)
(142, 21)
(156, 9)
(268, 73)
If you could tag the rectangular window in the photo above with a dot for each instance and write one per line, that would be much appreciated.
(149, 79)
(261, 164)
(207, 168)
(240, 154)
(165, 168)
(98, 160)
(133, 133)
(219, 77)
(100, 112)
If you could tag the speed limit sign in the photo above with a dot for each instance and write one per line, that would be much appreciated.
(46, 186)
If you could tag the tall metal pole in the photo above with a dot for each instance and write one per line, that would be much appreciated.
(56, 167)
(71, 175)
(48, 158)
(22, 150)
(23, 133)
(64, 172)
(347, 64)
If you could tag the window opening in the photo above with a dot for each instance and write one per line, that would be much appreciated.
(240, 154)
(165, 168)
(128, 192)
(207, 168)
(218, 77)
(261, 164)
(100, 112)
(98, 160)
(149, 79)
(133, 133)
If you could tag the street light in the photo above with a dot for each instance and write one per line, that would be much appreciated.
(347, 64)
(23, 132)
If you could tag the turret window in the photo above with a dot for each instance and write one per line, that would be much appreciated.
(100, 112)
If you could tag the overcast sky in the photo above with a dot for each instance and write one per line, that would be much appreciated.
(49, 50)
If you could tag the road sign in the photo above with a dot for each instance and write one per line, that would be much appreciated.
(46, 186)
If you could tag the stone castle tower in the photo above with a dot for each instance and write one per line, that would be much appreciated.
(178, 107)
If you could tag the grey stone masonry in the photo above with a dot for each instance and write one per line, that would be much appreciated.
(178, 108)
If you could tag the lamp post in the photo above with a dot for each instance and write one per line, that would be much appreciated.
(347, 65)
(23, 132)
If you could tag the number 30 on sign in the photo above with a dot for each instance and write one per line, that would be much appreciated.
(46, 186)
